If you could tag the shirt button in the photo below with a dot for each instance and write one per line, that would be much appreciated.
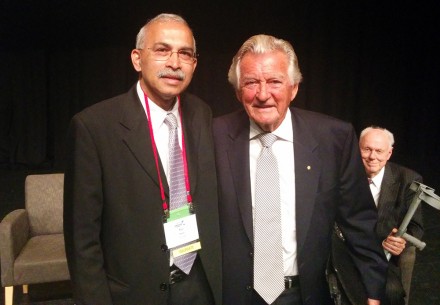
(163, 286)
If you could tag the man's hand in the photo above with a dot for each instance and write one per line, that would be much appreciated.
(373, 302)
(394, 245)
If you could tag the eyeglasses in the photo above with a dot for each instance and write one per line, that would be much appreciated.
(161, 53)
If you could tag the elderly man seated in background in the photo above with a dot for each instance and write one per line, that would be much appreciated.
(390, 186)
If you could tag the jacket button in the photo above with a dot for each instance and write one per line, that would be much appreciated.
(163, 286)
(248, 287)
(164, 248)
(251, 254)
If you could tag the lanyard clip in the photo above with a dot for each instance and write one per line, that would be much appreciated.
(166, 212)
(165, 216)
(191, 208)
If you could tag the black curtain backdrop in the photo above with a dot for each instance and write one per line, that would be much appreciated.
(366, 62)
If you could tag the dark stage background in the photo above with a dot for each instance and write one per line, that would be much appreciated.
(367, 62)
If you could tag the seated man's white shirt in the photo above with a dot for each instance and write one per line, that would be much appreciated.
(376, 185)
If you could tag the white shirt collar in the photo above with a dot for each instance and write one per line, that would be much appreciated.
(157, 113)
(284, 131)
(377, 180)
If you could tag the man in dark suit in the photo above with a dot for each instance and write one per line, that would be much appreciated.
(117, 194)
(320, 174)
(390, 186)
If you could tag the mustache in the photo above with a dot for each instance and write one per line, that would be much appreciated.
(179, 74)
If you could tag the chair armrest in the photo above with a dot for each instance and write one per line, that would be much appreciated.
(14, 233)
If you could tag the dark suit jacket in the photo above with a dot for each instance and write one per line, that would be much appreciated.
(113, 226)
(394, 201)
(329, 178)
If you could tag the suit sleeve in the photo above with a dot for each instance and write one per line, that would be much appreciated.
(357, 218)
(83, 205)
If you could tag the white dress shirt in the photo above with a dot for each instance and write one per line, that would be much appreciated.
(283, 150)
(161, 133)
(160, 129)
(376, 185)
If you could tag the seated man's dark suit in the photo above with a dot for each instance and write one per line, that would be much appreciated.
(394, 200)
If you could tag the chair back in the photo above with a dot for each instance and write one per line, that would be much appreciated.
(44, 203)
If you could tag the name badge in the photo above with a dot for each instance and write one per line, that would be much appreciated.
(181, 229)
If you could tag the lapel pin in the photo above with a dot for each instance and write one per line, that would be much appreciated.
(309, 167)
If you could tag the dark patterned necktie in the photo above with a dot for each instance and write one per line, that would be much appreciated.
(268, 248)
(178, 196)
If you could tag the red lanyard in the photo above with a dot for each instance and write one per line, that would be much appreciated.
(156, 159)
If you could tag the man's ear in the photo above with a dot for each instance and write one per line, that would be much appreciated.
(390, 153)
(136, 59)
(194, 65)
(238, 95)
(294, 92)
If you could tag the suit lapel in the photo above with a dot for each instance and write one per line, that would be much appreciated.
(134, 126)
(388, 193)
(307, 172)
(191, 131)
(238, 154)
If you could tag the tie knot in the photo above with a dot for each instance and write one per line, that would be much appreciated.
(267, 139)
(171, 121)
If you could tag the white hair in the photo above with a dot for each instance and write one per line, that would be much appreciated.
(388, 133)
(141, 36)
(261, 44)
